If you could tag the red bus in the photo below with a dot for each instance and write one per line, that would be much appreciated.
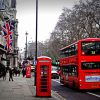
(80, 64)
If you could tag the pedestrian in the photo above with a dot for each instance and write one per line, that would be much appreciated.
(4, 73)
(24, 72)
(2, 70)
(18, 72)
(10, 74)
(15, 71)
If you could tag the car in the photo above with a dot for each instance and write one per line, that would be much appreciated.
(54, 73)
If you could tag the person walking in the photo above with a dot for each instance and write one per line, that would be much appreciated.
(10, 74)
(24, 72)
(4, 73)
(2, 70)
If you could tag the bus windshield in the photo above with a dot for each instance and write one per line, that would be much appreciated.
(91, 48)
(90, 65)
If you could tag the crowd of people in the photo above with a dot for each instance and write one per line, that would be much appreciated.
(11, 71)
(15, 71)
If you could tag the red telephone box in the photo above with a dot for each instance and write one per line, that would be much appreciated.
(43, 76)
(28, 71)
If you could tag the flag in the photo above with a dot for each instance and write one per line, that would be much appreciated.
(6, 30)
(7, 35)
(9, 43)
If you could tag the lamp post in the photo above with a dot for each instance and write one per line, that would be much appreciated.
(26, 46)
(36, 27)
(36, 39)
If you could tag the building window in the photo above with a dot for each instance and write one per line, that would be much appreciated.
(13, 3)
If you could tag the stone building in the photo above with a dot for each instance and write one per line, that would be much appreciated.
(8, 53)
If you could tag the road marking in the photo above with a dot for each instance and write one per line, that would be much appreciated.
(57, 95)
(94, 94)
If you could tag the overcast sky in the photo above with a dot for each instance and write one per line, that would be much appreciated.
(48, 14)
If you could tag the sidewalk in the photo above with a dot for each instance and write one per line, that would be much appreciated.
(22, 89)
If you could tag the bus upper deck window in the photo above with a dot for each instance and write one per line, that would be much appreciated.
(90, 48)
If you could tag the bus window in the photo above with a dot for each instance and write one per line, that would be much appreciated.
(64, 53)
(76, 49)
(90, 65)
(72, 70)
(98, 45)
(91, 48)
(69, 51)
(65, 70)
(98, 48)
(72, 50)
(75, 73)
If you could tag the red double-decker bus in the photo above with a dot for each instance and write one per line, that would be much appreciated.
(80, 64)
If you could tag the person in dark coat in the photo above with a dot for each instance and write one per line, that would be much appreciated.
(24, 72)
(4, 73)
(10, 74)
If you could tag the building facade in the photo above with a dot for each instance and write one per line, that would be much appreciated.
(8, 36)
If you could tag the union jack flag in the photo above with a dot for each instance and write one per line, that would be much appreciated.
(7, 35)
(9, 42)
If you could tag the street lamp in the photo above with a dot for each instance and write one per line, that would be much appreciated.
(36, 38)
(36, 27)
(26, 46)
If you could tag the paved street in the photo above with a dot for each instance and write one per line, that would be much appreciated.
(21, 89)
